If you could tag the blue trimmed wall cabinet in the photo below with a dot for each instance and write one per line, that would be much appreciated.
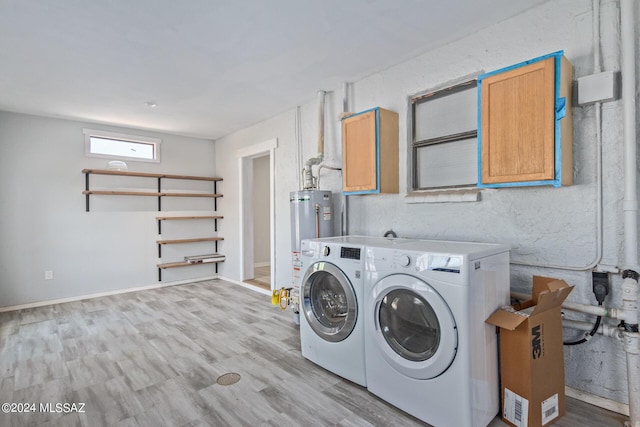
(525, 128)
(370, 152)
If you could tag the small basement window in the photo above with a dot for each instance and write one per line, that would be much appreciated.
(444, 138)
(113, 145)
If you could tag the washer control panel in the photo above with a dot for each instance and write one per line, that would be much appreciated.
(404, 260)
(349, 253)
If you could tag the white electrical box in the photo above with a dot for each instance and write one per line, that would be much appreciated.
(601, 87)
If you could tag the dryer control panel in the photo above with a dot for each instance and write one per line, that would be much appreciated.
(444, 262)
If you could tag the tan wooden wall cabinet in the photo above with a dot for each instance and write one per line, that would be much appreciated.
(526, 129)
(370, 152)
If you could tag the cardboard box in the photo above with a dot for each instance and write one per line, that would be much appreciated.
(532, 356)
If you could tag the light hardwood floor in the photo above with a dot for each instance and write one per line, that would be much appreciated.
(261, 277)
(152, 358)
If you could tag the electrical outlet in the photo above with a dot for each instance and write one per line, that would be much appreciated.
(601, 285)
(48, 275)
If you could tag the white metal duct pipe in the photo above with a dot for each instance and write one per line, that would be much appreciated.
(298, 137)
(309, 183)
(321, 95)
(630, 206)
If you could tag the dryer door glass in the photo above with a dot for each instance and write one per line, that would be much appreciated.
(409, 325)
(329, 302)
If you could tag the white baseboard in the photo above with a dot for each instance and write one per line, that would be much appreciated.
(601, 402)
(102, 294)
(244, 285)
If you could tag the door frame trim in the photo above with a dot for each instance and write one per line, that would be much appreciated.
(245, 157)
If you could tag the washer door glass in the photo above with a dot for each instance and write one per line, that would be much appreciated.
(413, 327)
(409, 325)
(329, 302)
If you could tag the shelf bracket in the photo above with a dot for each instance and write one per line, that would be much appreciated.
(159, 275)
(159, 191)
(159, 226)
(159, 250)
(86, 187)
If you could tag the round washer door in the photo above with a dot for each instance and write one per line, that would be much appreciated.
(329, 302)
(413, 327)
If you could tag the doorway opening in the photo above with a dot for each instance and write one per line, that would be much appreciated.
(261, 221)
(257, 221)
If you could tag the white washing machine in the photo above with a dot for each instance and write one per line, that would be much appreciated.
(428, 350)
(331, 303)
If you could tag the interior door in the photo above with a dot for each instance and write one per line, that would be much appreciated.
(329, 302)
(413, 327)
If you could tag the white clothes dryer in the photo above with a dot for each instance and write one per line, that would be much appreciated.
(331, 303)
(428, 350)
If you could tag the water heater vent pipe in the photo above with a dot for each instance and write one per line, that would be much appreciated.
(309, 181)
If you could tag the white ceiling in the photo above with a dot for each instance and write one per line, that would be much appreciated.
(212, 66)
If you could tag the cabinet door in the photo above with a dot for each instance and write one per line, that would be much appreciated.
(518, 124)
(359, 152)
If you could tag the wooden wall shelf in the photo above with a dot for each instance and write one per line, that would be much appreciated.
(173, 218)
(147, 193)
(159, 194)
(215, 219)
(150, 175)
(186, 264)
(194, 240)
(163, 266)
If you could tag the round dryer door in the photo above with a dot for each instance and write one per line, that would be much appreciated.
(413, 327)
(328, 302)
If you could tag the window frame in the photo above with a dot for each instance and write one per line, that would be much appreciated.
(116, 136)
(425, 96)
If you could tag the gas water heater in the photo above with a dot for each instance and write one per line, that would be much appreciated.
(311, 216)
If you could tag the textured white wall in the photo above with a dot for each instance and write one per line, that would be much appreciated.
(44, 226)
(543, 225)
